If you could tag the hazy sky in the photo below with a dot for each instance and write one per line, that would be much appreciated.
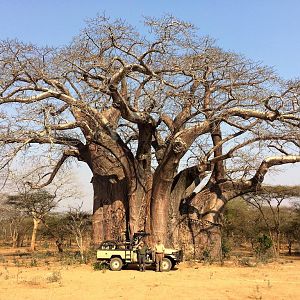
(263, 30)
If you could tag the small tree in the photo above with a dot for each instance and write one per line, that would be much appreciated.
(13, 224)
(241, 223)
(35, 204)
(291, 227)
(55, 228)
(269, 201)
(78, 223)
(263, 245)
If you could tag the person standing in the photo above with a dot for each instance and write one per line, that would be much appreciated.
(142, 251)
(159, 249)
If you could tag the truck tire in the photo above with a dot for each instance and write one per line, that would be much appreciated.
(166, 265)
(116, 264)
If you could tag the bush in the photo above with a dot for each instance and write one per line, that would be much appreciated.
(69, 258)
(225, 248)
(262, 247)
(100, 265)
(33, 262)
(206, 256)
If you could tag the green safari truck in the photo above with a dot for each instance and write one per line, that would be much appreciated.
(119, 255)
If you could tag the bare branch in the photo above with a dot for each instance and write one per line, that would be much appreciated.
(67, 153)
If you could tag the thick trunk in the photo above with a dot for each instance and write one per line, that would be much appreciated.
(127, 199)
(139, 201)
(189, 224)
(117, 213)
(110, 184)
(159, 211)
(199, 225)
(183, 186)
(198, 241)
(110, 214)
(122, 189)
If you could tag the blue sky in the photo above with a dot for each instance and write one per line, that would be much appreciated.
(263, 30)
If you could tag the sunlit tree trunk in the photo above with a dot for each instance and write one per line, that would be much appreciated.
(36, 223)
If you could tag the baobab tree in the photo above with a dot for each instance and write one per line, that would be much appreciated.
(13, 223)
(151, 115)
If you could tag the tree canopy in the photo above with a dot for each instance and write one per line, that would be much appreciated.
(154, 111)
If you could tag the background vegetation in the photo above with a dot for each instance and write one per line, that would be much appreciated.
(260, 227)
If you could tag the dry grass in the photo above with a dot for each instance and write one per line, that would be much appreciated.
(277, 280)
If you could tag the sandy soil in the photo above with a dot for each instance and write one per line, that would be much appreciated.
(189, 281)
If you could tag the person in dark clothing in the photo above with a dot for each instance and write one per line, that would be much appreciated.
(142, 251)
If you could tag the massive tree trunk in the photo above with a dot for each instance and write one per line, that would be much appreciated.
(110, 212)
(128, 198)
(122, 182)
(159, 209)
(122, 192)
(117, 213)
(178, 217)
(200, 224)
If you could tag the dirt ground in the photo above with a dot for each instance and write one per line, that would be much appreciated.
(280, 280)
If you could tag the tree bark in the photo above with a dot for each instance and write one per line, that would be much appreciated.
(36, 223)
(159, 210)
(110, 213)
(156, 205)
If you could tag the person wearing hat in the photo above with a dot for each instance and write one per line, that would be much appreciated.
(142, 251)
(159, 249)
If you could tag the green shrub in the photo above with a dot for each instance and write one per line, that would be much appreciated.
(206, 256)
(225, 248)
(100, 265)
(33, 262)
(69, 258)
(262, 247)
